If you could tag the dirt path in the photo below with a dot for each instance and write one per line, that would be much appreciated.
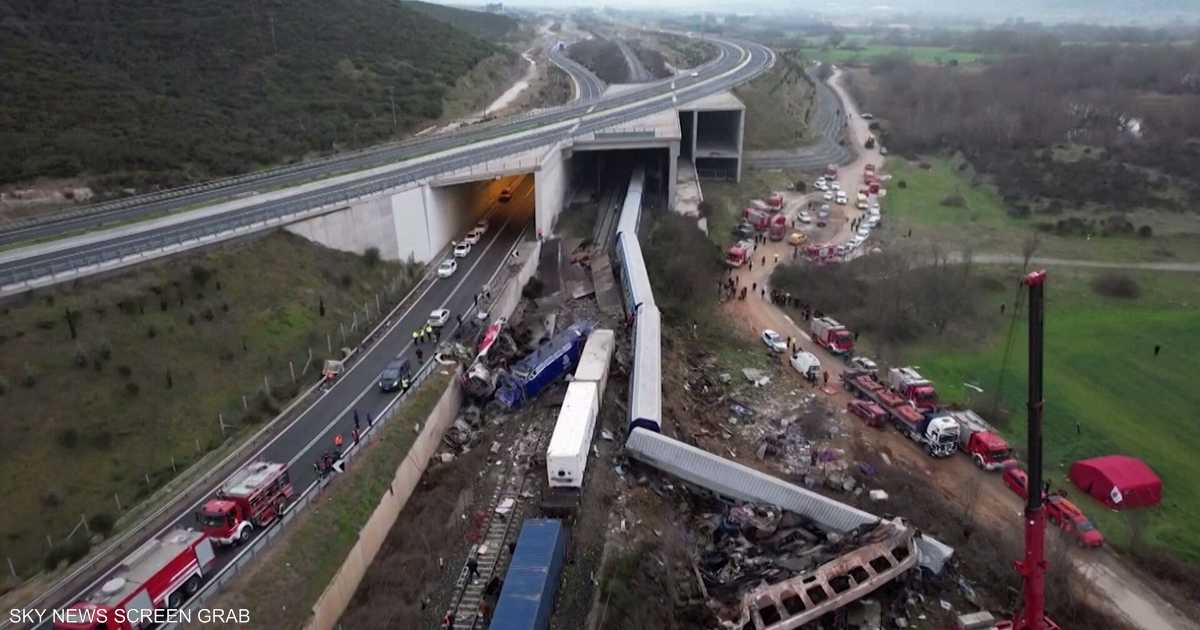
(992, 505)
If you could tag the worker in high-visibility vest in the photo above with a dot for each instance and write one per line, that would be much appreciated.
(338, 441)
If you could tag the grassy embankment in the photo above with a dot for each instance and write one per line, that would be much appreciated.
(778, 105)
(158, 353)
(869, 53)
(281, 591)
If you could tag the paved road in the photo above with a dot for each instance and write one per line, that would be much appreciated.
(827, 123)
(587, 85)
(303, 441)
(637, 72)
(726, 71)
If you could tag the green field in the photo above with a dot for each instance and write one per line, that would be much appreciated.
(984, 225)
(777, 108)
(1102, 376)
(869, 53)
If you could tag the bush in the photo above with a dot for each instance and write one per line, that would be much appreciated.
(151, 332)
(371, 256)
(102, 523)
(347, 281)
(201, 275)
(954, 200)
(29, 379)
(68, 438)
(71, 551)
(1145, 231)
(902, 184)
(4, 386)
(125, 371)
(132, 388)
(1116, 285)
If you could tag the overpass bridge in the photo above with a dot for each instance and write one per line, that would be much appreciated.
(393, 189)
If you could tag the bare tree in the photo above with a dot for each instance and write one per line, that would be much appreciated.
(1029, 248)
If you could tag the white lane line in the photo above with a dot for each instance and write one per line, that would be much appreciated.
(370, 386)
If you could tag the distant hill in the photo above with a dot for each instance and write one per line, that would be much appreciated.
(164, 91)
(489, 26)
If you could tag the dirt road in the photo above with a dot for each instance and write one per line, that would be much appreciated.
(991, 504)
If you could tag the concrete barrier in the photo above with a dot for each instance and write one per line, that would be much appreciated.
(336, 596)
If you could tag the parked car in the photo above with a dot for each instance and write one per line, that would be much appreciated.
(1015, 478)
(842, 199)
(882, 150)
(864, 231)
(396, 376)
(862, 205)
(461, 249)
(804, 217)
(798, 238)
(866, 116)
(447, 268)
(825, 210)
(827, 196)
(857, 241)
(775, 342)
(439, 317)
(864, 364)
(835, 186)
(743, 230)
(1069, 518)
(871, 413)
(472, 237)
(505, 195)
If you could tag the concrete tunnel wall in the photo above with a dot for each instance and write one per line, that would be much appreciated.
(550, 189)
(417, 222)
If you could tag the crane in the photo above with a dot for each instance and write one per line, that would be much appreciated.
(1032, 614)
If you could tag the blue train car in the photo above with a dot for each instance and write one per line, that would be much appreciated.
(548, 363)
(531, 583)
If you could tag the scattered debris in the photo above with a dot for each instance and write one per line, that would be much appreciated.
(878, 495)
(758, 377)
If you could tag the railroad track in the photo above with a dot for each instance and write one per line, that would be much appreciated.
(492, 553)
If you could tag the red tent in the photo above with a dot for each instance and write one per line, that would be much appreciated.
(1118, 481)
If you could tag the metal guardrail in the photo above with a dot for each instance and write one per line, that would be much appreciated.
(266, 537)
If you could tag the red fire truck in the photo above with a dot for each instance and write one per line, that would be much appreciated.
(161, 574)
(254, 497)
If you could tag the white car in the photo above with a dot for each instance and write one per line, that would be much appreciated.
(857, 242)
(774, 341)
(447, 268)
(827, 196)
(461, 249)
(835, 186)
(842, 199)
(482, 227)
(863, 363)
(872, 222)
(882, 150)
(821, 185)
(804, 217)
(472, 237)
(438, 318)
(864, 231)
(695, 73)
(866, 116)
(862, 205)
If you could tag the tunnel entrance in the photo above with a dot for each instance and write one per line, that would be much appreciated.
(599, 179)
(451, 211)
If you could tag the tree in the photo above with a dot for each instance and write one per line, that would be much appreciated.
(835, 39)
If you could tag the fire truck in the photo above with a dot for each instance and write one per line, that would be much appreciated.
(162, 573)
(254, 497)
(739, 253)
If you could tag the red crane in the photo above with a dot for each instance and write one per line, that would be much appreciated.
(1032, 614)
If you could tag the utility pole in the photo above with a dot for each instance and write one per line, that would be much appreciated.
(274, 44)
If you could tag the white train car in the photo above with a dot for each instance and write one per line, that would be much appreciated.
(645, 388)
(566, 457)
(596, 358)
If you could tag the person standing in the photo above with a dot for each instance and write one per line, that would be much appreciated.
(472, 568)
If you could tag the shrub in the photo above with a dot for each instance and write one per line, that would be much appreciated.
(1116, 285)
(29, 379)
(4, 386)
(105, 349)
(347, 280)
(954, 200)
(208, 314)
(68, 438)
(125, 371)
(902, 184)
(71, 551)
(1145, 231)
(191, 319)
(371, 256)
(80, 360)
(201, 275)
(132, 388)
(151, 332)
(102, 523)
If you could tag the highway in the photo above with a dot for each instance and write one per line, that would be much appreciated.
(724, 72)
(637, 71)
(587, 85)
(302, 442)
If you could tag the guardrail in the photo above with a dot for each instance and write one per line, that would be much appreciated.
(266, 537)
(116, 544)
